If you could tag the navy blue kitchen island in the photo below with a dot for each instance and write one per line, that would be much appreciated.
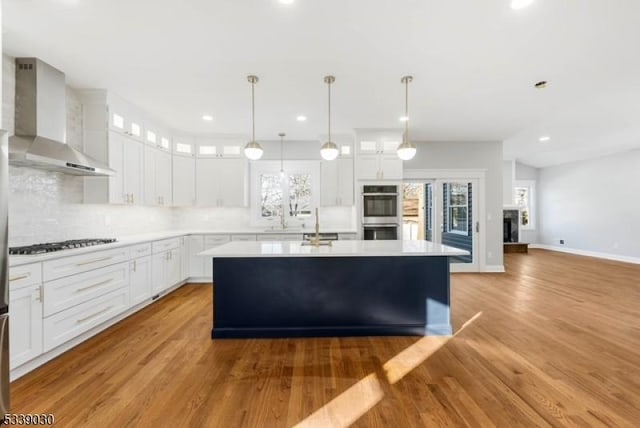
(353, 288)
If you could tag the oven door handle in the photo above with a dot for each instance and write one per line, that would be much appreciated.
(379, 194)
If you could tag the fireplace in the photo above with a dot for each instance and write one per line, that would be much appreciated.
(510, 229)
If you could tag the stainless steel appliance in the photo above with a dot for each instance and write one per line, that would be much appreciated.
(4, 276)
(40, 123)
(380, 212)
(50, 247)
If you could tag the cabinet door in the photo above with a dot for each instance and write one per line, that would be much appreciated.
(150, 194)
(133, 167)
(25, 326)
(163, 178)
(140, 280)
(345, 182)
(159, 272)
(230, 185)
(206, 195)
(328, 183)
(174, 266)
(196, 263)
(116, 162)
(369, 167)
(184, 257)
(184, 181)
(391, 167)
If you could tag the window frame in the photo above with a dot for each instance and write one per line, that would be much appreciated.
(450, 208)
(290, 167)
(530, 185)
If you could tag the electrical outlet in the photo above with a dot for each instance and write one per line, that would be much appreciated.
(562, 242)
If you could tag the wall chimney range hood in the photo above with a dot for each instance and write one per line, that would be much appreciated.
(40, 123)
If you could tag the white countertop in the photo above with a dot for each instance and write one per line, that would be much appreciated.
(338, 249)
(18, 260)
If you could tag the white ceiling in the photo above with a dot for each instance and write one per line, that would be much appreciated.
(474, 62)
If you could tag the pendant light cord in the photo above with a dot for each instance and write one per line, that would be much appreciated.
(329, 88)
(253, 110)
(406, 109)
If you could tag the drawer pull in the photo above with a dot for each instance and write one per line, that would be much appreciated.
(104, 259)
(94, 285)
(82, 320)
(19, 277)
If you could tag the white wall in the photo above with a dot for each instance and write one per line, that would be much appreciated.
(507, 182)
(47, 206)
(593, 205)
(471, 155)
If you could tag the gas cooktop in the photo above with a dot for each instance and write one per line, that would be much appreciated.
(57, 246)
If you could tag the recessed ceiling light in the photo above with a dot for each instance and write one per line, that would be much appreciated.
(301, 118)
(207, 117)
(544, 138)
(403, 118)
(520, 4)
(286, 1)
(541, 84)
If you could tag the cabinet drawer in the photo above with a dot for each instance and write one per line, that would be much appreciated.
(244, 238)
(23, 276)
(59, 268)
(66, 325)
(66, 292)
(214, 241)
(165, 244)
(279, 237)
(141, 250)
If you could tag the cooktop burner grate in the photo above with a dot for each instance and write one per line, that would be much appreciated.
(50, 247)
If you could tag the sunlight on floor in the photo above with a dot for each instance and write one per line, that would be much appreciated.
(347, 407)
(407, 360)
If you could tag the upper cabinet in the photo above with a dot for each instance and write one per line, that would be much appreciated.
(230, 147)
(377, 158)
(157, 177)
(184, 172)
(221, 182)
(337, 176)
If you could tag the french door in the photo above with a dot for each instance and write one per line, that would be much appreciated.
(444, 211)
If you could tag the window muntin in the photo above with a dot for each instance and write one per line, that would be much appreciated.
(458, 208)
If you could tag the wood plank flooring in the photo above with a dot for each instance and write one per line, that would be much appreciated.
(553, 342)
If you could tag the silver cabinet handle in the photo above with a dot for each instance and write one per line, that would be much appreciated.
(94, 285)
(19, 277)
(40, 296)
(135, 266)
(104, 259)
(82, 320)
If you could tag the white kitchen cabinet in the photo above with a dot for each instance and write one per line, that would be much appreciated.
(132, 172)
(25, 326)
(379, 146)
(184, 180)
(184, 258)
(157, 177)
(212, 241)
(140, 279)
(166, 270)
(72, 265)
(379, 167)
(219, 148)
(336, 182)
(221, 182)
(195, 265)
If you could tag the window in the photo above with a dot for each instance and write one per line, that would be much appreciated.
(292, 195)
(183, 148)
(457, 208)
(524, 193)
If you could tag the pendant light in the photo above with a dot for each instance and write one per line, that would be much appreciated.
(329, 150)
(253, 149)
(406, 150)
(282, 135)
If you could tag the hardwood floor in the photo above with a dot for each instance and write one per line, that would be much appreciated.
(553, 342)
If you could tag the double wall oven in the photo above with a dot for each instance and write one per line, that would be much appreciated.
(380, 219)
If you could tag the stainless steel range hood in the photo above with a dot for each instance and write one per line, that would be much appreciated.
(40, 123)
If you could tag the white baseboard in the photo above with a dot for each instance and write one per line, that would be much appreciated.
(607, 256)
(494, 269)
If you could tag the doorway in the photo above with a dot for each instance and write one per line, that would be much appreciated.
(443, 211)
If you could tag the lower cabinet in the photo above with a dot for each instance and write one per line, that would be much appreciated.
(166, 267)
(140, 279)
(25, 324)
(195, 263)
(66, 325)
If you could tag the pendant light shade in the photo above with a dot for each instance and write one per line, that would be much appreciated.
(329, 150)
(407, 150)
(253, 149)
